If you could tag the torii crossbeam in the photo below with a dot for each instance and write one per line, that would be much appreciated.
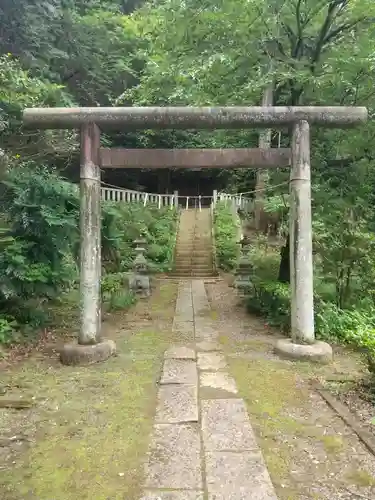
(91, 120)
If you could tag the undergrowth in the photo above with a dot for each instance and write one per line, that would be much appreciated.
(270, 299)
(39, 243)
(226, 236)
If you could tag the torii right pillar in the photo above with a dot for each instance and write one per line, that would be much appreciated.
(302, 344)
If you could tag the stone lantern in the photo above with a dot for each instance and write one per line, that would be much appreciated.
(139, 282)
(244, 268)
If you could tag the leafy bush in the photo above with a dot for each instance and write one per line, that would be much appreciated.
(115, 292)
(7, 330)
(124, 223)
(271, 300)
(355, 327)
(41, 211)
(226, 236)
(39, 244)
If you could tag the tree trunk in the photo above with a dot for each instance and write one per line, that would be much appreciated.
(262, 174)
(284, 269)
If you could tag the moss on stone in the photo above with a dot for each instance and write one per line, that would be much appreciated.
(360, 478)
(93, 424)
(268, 388)
(333, 444)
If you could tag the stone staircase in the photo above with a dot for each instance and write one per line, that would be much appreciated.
(194, 246)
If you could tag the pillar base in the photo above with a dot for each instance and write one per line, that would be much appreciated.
(319, 352)
(82, 355)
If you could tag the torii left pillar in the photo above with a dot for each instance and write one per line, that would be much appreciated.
(90, 348)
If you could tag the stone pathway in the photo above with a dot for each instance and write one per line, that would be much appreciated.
(203, 446)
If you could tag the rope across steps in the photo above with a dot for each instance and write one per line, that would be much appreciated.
(194, 248)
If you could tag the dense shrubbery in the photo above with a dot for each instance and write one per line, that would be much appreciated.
(123, 223)
(39, 242)
(226, 237)
(270, 299)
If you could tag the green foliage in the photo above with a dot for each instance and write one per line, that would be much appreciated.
(20, 89)
(76, 52)
(344, 241)
(39, 245)
(7, 330)
(41, 211)
(272, 300)
(354, 327)
(226, 236)
(115, 292)
(157, 226)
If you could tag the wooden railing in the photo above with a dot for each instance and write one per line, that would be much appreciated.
(130, 196)
(174, 200)
(237, 200)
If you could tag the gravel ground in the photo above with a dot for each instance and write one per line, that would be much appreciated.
(310, 452)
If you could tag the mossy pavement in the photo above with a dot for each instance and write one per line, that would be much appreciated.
(88, 432)
(87, 435)
(309, 451)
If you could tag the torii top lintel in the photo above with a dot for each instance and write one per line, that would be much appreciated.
(231, 117)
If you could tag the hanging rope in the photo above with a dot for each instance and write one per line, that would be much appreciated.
(259, 190)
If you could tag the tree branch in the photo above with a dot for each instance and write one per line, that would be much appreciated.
(341, 29)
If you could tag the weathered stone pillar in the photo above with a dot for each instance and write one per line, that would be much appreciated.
(90, 347)
(302, 345)
(301, 265)
(90, 227)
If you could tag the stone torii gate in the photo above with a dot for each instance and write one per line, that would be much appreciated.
(91, 347)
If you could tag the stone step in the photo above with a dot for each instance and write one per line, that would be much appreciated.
(187, 274)
(201, 254)
(196, 245)
(197, 251)
(193, 257)
(194, 262)
(193, 254)
(191, 263)
(193, 251)
(187, 270)
(188, 266)
(193, 275)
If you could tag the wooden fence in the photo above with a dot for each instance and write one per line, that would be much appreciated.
(174, 200)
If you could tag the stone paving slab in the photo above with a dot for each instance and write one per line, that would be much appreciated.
(173, 495)
(182, 318)
(183, 326)
(226, 426)
(208, 346)
(238, 476)
(174, 458)
(179, 371)
(218, 380)
(184, 305)
(201, 307)
(184, 298)
(184, 301)
(183, 315)
(198, 288)
(205, 326)
(234, 468)
(211, 361)
(177, 403)
(206, 334)
(180, 352)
